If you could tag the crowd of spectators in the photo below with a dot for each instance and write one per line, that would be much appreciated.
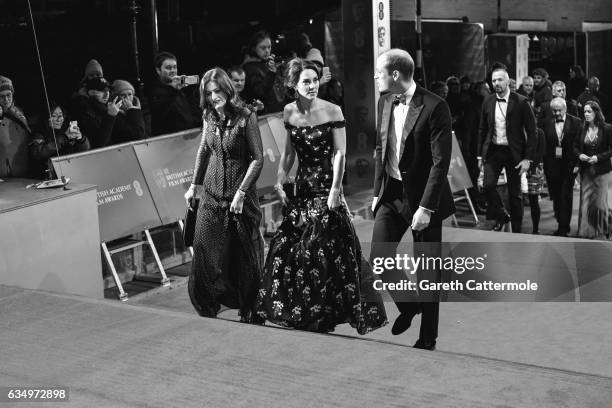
(102, 113)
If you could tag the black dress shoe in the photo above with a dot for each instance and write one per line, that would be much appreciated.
(402, 323)
(499, 224)
(558, 233)
(425, 345)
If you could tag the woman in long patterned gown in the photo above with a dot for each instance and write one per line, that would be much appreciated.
(228, 246)
(314, 276)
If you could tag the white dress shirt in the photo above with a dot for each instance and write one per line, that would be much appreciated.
(500, 137)
(559, 129)
(400, 112)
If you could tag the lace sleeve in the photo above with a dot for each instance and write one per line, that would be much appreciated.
(202, 157)
(253, 138)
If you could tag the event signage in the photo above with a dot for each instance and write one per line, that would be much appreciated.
(125, 205)
(167, 163)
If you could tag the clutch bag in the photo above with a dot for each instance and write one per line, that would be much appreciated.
(191, 215)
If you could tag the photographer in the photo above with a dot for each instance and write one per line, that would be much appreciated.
(98, 117)
(129, 124)
(15, 134)
(173, 106)
(261, 69)
(67, 135)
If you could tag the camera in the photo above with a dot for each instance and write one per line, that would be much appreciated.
(189, 79)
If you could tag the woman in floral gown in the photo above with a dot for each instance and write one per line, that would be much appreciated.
(314, 276)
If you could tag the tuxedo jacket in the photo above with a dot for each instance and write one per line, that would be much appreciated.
(572, 127)
(426, 156)
(520, 127)
(603, 149)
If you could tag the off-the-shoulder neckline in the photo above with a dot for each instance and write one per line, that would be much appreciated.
(324, 124)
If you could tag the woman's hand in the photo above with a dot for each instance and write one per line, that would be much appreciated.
(593, 159)
(113, 107)
(333, 200)
(190, 194)
(583, 157)
(576, 168)
(237, 202)
(282, 196)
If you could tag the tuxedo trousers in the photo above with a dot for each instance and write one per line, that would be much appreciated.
(389, 228)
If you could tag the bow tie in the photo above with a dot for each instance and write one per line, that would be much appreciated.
(559, 120)
(397, 99)
(501, 100)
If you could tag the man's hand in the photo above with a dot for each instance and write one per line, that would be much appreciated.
(374, 201)
(583, 157)
(421, 219)
(523, 166)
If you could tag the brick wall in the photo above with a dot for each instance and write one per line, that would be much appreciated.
(562, 15)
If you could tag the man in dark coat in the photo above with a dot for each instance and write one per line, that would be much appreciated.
(508, 140)
(411, 190)
(559, 160)
(173, 106)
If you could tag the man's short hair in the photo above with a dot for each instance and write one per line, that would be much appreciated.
(162, 56)
(399, 60)
(558, 101)
(541, 72)
(236, 69)
(500, 69)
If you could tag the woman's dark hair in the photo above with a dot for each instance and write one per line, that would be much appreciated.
(295, 68)
(53, 105)
(255, 39)
(225, 84)
(599, 116)
(578, 71)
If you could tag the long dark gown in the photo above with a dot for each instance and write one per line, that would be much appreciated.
(315, 276)
(228, 247)
(594, 209)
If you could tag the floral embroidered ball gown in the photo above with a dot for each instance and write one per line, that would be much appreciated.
(315, 276)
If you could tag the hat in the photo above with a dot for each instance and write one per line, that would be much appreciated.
(93, 67)
(540, 71)
(97, 84)
(6, 84)
(314, 55)
(120, 85)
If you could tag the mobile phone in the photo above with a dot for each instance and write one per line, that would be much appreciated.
(189, 79)
(326, 71)
(74, 126)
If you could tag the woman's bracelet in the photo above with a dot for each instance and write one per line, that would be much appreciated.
(240, 193)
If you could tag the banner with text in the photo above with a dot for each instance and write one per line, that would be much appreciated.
(167, 164)
(125, 204)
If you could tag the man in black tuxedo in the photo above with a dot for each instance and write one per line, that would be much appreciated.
(411, 190)
(559, 161)
(508, 140)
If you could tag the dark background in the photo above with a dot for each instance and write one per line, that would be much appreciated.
(202, 34)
